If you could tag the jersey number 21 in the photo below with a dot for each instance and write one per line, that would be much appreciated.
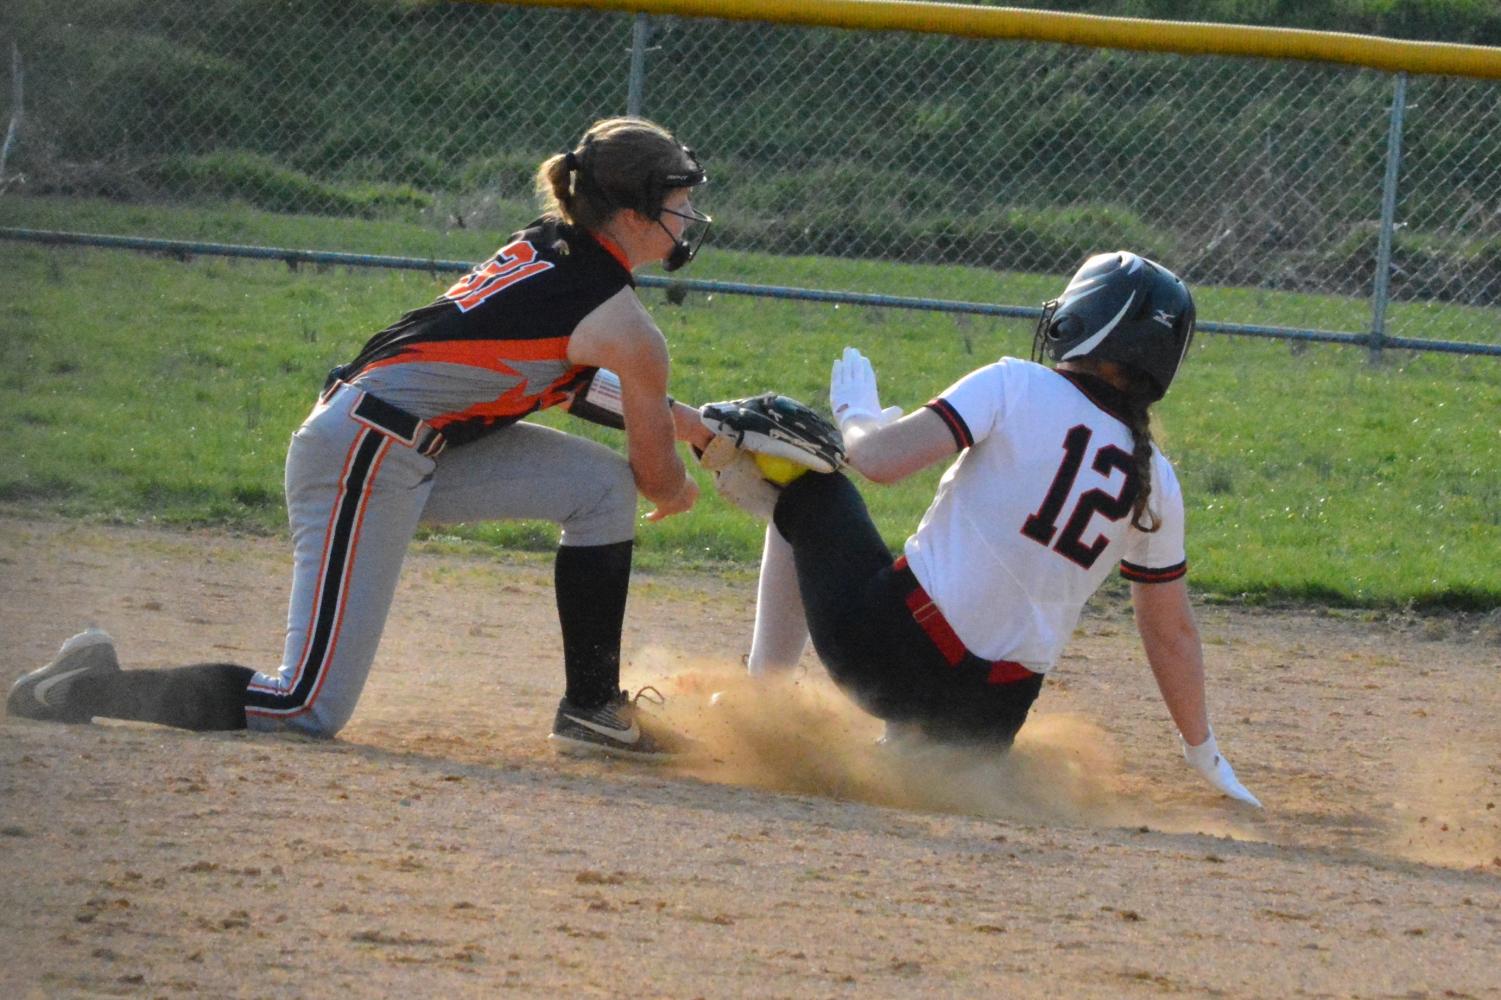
(1042, 526)
(512, 263)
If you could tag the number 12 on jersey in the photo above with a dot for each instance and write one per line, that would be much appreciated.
(1042, 525)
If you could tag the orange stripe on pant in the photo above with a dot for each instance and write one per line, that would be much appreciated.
(354, 548)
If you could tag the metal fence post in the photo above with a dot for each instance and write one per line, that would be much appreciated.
(1382, 290)
(640, 39)
(12, 132)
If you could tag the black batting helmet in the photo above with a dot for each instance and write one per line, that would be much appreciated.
(1123, 308)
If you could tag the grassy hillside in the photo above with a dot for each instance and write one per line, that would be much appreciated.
(913, 148)
(140, 388)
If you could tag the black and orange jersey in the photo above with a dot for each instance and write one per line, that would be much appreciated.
(494, 347)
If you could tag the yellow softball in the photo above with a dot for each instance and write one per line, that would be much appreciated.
(778, 469)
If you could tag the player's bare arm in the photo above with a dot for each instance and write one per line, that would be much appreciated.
(1170, 638)
(891, 453)
(690, 426)
(620, 336)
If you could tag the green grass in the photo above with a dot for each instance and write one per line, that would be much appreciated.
(141, 388)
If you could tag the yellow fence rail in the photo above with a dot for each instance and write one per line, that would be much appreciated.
(1183, 37)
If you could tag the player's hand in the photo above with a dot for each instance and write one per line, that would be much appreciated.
(852, 390)
(682, 500)
(1209, 762)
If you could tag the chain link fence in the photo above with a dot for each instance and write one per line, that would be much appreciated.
(893, 146)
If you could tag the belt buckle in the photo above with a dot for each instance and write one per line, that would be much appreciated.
(430, 441)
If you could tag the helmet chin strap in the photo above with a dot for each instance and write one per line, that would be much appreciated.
(681, 252)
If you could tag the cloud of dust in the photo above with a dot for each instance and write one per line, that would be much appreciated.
(1447, 811)
(800, 734)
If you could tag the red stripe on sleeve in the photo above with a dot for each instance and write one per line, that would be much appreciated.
(956, 425)
(1142, 574)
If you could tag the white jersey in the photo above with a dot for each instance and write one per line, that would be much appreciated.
(1036, 512)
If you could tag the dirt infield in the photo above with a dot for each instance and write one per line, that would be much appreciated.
(439, 848)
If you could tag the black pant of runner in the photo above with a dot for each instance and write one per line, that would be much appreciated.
(865, 634)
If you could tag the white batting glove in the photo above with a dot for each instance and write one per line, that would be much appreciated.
(1209, 762)
(852, 390)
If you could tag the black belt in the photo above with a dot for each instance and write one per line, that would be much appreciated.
(930, 619)
(391, 420)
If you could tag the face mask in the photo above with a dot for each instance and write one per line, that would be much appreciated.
(683, 250)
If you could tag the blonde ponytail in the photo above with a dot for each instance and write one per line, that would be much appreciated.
(554, 186)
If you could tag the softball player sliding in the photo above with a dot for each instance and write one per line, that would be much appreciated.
(423, 426)
(1058, 481)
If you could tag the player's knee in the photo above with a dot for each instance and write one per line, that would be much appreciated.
(313, 727)
(326, 719)
(606, 508)
(320, 721)
(818, 500)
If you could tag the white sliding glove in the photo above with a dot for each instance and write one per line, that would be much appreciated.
(1208, 761)
(852, 390)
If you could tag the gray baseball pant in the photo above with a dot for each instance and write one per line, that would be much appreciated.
(356, 492)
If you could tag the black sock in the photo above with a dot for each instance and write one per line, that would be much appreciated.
(205, 697)
(591, 583)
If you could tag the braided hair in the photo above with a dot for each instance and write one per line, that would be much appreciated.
(1137, 392)
(1141, 392)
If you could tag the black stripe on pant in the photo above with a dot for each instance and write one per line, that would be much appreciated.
(336, 566)
(865, 634)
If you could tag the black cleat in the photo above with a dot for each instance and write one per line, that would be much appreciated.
(618, 727)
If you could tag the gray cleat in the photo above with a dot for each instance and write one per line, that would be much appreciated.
(43, 694)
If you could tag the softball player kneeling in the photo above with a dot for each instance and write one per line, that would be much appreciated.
(426, 425)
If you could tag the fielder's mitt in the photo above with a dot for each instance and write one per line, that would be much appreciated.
(777, 425)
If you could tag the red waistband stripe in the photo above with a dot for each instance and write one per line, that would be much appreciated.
(931, 620)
